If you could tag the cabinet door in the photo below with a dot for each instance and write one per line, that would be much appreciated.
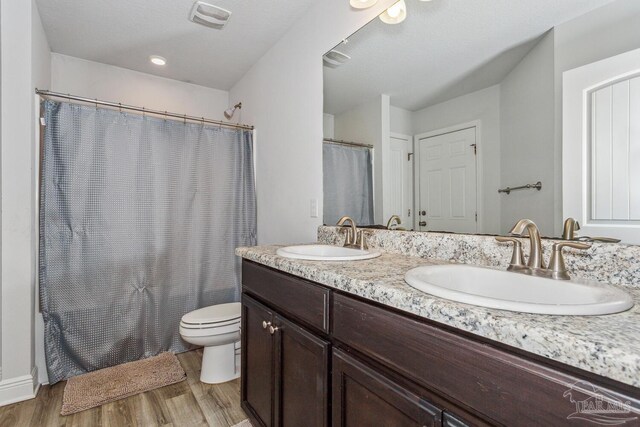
(363, 397)
(302, 377)
(257, 361)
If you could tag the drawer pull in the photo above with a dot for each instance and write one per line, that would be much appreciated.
(265, 324)
(273, 329)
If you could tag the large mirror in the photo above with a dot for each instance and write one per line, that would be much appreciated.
(452, 119)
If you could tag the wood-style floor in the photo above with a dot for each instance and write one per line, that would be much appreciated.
(188, 403)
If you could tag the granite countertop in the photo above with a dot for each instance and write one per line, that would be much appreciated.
(605, 345)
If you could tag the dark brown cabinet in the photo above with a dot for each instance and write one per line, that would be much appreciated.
(257, 361)
(305, 346)
(364, 397)
(285, 370)
(302, 376)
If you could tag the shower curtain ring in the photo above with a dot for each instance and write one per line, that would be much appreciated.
(185, 119)
(143, 112)
(120, 106)
(165, 115)
(96, 103)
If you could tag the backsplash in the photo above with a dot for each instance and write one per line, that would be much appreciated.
(614, 263)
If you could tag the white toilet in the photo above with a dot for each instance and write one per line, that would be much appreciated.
(217, 329)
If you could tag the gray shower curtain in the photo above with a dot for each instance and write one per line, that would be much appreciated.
(139, 219)
(348, 184)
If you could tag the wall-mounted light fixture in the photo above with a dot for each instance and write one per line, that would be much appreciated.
(395, 14)
(231, 111)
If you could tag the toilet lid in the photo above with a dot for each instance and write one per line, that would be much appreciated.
(213, 313)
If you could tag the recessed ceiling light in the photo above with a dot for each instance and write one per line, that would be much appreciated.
(209, 15)
(158, 60)
(362, 4)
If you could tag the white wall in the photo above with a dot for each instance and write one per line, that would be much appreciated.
(401, 121)
(106, 82)
(365, 124)
(527, 139)
(25, 64)
(328, 126)
(483, 105)
(283, 97)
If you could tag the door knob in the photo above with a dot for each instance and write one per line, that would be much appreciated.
(265, 324)
(422, 223)
(423, 213)
(273, 329)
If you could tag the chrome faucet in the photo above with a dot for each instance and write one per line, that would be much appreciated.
(395, 219)
(351, 239)
(535, 266)
(569, 229)
(526, 227)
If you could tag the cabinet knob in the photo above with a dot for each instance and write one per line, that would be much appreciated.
(273, 329)
(265, 324)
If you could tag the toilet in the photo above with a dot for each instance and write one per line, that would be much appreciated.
(217, 329)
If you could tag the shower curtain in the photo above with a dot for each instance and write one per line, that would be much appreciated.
(348, 184)
(139, 219)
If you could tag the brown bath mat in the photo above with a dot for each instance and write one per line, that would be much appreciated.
(117, 382)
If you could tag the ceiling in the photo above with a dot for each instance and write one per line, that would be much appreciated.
(444, 49)
(126, 32)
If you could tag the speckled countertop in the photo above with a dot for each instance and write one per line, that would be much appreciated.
(605, 345)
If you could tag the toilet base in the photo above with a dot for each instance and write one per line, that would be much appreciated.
(220, 364)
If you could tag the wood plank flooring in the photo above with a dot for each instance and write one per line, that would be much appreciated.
(188, 403)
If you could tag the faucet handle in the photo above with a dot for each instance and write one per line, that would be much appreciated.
(556, 263)
(361, 240)
(517, 258)
(347, 235)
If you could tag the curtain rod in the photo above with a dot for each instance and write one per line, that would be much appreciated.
(47, 93)
(347, 143)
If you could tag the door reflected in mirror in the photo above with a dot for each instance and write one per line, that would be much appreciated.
(461, 100)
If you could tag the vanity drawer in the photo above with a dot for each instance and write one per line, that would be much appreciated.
(295, 297)
(502, 386)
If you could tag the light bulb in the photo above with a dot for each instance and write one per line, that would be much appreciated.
(394, 14)
(395, 10)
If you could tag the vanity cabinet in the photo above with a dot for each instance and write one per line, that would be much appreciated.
(364, 397)
(285, 367)
(379, 366)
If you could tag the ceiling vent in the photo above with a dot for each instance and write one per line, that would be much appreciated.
(209, 15)
(334, 59)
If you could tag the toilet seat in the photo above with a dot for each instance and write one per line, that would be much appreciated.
(212, 316)
(209, 325)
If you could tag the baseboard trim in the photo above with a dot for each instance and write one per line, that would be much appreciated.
(25, 387)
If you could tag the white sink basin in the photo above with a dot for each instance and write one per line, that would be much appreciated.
(517, 292)
(326, 253)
